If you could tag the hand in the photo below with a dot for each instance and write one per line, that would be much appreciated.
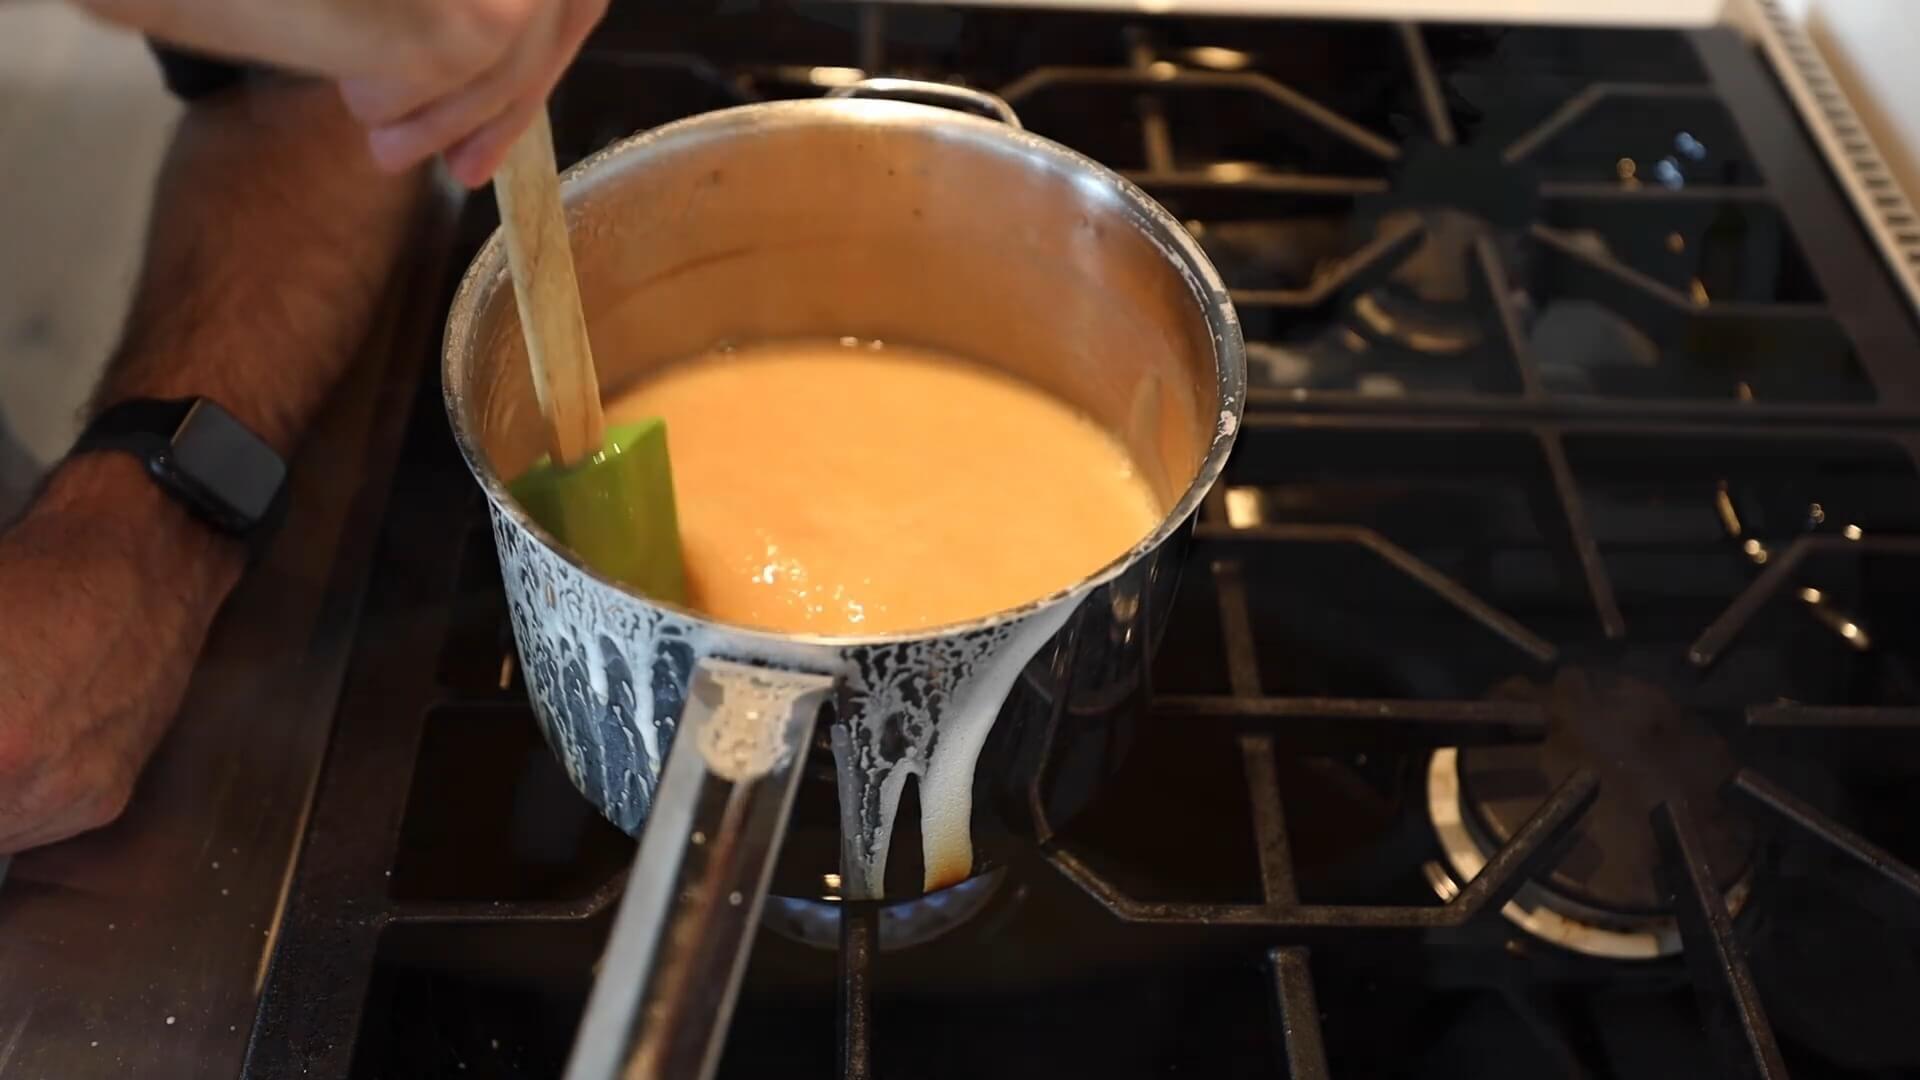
(461, 77)
(474, 99)
(108, 591)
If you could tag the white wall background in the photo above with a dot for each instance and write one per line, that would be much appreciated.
(1874, 48)
(83, 122)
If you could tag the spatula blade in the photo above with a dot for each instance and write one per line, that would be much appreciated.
(615, 510)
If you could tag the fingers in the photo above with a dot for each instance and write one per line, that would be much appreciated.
(444, 61)
(475, 123)
(377, 102)
(406, 142)
(474, 159)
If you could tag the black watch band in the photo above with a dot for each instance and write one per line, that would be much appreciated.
(201, 456)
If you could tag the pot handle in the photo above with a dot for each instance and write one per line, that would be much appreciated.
(662, 1001)
(961, 98)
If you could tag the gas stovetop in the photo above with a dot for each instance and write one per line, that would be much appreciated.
(1543, 697)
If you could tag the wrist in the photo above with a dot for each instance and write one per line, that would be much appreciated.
(111, 500)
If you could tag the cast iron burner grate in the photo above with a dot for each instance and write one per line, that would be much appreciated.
(1579, 398)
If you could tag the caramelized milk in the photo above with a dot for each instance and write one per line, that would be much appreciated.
(845, 488)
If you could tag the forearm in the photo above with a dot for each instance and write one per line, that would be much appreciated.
(273, 237)
(272, 241)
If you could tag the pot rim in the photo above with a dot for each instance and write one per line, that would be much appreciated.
(1159, 226)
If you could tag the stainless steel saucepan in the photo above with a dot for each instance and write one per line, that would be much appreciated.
(895, 220)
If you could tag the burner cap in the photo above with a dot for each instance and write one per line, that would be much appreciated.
(1647, 750)
(1426, 305)
(903, 924)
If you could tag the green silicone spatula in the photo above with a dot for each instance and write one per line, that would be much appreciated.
(608, 495)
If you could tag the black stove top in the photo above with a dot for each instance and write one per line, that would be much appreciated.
(1543, 697)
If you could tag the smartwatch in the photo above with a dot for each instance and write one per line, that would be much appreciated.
(201, 456)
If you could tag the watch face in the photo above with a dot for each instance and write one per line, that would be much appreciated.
(218, 455)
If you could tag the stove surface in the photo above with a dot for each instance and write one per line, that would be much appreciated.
(1543, 694)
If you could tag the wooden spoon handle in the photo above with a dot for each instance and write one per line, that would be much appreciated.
(527, 188)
